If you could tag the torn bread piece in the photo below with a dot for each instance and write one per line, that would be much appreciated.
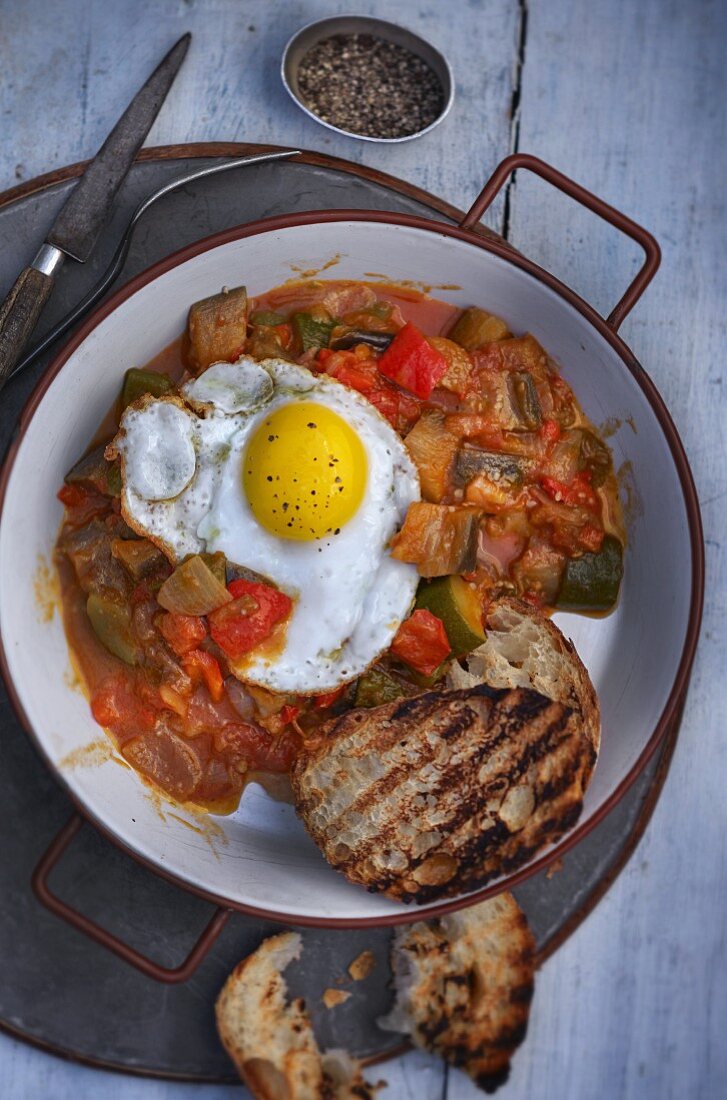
(271, 1040)
(463, 986)
(435, 795)
(523, 648)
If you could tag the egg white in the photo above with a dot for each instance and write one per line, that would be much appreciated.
(350, 595)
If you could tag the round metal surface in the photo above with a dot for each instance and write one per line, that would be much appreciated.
(70, 995)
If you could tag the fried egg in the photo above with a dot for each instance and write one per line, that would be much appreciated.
(295, 477)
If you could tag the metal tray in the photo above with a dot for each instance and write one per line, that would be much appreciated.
(64, 992)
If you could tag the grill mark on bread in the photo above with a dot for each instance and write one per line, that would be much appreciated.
(465, 785)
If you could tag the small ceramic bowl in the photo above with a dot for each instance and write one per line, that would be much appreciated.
(310, 35)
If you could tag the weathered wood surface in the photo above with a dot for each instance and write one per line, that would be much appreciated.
(628, 97)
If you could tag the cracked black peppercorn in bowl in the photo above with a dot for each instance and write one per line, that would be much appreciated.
(368, 78)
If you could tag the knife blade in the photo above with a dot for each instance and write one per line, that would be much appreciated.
(85, 212)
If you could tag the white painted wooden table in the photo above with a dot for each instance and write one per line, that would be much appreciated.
(628, 97)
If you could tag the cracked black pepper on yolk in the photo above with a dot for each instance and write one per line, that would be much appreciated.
(304, 472)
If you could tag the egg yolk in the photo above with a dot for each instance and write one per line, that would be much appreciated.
(304, 472)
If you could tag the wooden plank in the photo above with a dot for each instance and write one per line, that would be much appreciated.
(629, 99)
(72, 79)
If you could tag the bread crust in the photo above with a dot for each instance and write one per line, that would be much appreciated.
(437, 794)
(271, 1040)
(464, 985)
(524, 648)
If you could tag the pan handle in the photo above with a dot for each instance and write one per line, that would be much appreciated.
(171, 976)
(551, 175)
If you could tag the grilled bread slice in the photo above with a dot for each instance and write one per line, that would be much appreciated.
(463, 986)
(523, 648)
(435, 795)
(271, 1041)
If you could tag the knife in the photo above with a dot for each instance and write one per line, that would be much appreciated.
(85, 212)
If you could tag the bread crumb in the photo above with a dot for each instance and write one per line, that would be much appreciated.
(556, 865)
(362, 966)
(333, 997)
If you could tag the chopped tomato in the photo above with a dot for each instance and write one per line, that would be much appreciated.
(241, 625)
(327, 700)
(421, 642)
(182, 632)
(579, 491)
(550, 431)
(412, 362)
(361, 374)
(289, 713)
(591, 537)
(200, 665)
(117, 706)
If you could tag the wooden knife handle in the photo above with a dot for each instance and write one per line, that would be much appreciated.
(19, 315)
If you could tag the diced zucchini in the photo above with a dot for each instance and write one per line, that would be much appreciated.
(267, 317)
(459, 607)
(111, 622)
(265, 344)
(93, 469)
(524, 399)
(217, 329)
(476, 328)
(591, 582)
(193, 589)
(376, 687)
(312, 332)
(139, 382)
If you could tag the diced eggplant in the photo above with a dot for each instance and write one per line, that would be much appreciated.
(217, 329)
(433, 449)
(524, 399)
(473, 462)
(539, 571)
(111, 621)
(137, 383)
(93, 469)
(459, 365)
(439, 539)
(267, 317)
(139, 556)
(476, 327)
(193, 589)
(592, 582)
(594, 456)
(378, 340)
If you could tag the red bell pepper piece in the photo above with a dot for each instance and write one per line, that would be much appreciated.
(330, 697)
(241, 625)
(578, 492)
(412, 362)
(183, 632)
(200, 665)
(421, 642)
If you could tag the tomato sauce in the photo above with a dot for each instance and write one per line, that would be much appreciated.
(518, 497)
